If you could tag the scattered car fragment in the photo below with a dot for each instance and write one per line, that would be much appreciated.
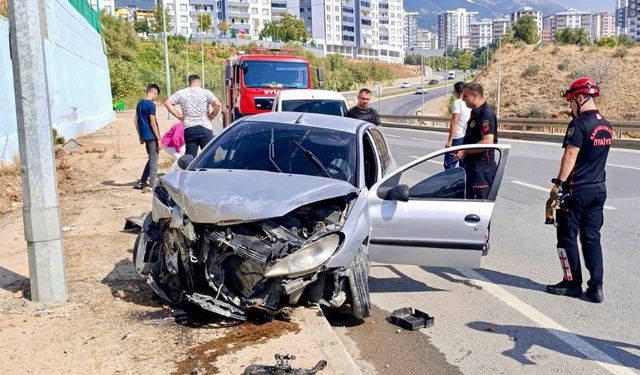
(283, 367)
(411, 319)
(285, 208)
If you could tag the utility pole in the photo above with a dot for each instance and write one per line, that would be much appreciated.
(422, 81)
(40, 212)
(202, 55)
(166, 54)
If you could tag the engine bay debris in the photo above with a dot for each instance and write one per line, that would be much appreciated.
(283, 367)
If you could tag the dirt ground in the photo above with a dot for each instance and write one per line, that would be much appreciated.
(112, 323)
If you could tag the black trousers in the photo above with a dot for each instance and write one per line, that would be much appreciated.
(582, 214)
(196, 136)
(480, 179)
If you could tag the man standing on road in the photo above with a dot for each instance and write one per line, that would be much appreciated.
(581, 187)
(148, 134)
(479, 165)
(199, 107)
(460, 114)
(362, 111)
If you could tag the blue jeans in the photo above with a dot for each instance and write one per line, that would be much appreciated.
(196, 136)
(449, 160)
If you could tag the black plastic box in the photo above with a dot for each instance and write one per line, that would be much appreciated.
(411, 319)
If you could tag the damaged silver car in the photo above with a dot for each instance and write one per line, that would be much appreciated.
(285, 208)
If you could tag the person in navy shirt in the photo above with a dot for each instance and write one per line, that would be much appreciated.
(581, 187)
(149, 135)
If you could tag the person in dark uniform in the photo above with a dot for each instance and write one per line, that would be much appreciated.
(479, 165)
(581, 187)
(362, 111)
(482, 128)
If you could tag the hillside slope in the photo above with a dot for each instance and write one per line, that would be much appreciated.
(533, 78)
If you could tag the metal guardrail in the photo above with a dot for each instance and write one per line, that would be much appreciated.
(520, 125)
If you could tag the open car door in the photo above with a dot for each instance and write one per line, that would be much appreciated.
(424, 215)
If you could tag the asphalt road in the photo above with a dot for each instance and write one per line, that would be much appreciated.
(407, 104)
(499, 319)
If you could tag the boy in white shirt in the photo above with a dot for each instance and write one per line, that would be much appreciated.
(460, 114)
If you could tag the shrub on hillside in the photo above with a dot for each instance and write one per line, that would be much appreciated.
(564, 64)
(621, 53)
(608, 42)
(530, 71)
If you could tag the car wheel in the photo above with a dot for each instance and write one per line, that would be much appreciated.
(358, 275)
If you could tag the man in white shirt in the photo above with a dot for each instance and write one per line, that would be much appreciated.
(460, 114)
(198, 106)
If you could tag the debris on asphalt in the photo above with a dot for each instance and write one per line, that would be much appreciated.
(42, 313)
(411, 319)
(67, 229)
(283, 367)
(490, 328)
(134, 223)
(127, 335)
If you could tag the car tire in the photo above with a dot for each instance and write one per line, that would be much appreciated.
(358, 275)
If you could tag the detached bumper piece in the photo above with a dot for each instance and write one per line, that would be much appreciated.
(411, 319)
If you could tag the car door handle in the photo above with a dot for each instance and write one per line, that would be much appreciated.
(472, 218)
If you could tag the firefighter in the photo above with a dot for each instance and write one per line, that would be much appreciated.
(581, 191)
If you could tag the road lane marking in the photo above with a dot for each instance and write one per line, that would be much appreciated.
(546, 190)
(422, 140)
(623, 166)
(430, 161)
(392, 136)
(556, 329)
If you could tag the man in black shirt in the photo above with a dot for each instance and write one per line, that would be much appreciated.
(482, 128)
(581, 187)
(362, 111)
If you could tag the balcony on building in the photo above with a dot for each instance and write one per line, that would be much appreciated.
(365, 22)
(237, 14)
(241, 4)
(365, 5)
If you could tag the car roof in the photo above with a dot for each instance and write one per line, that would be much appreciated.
(310, 94)
(345, 124)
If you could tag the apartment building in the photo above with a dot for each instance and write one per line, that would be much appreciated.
(133, 10)
(527, 11)
(621, 17)
(425, 39)
(480, 34)
(602, 25)
(454, 28)
(548, 27)
(500, 27)
(574, 19)
(410, 29)
(633, 19)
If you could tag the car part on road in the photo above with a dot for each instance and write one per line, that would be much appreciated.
(283, 367)
(411, 319)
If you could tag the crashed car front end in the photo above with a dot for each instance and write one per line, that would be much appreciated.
(236, 262)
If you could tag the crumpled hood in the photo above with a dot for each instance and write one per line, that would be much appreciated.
(222, 196)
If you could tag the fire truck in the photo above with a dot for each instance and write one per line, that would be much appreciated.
(252, 81)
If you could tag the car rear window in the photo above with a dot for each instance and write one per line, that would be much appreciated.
(327, 107)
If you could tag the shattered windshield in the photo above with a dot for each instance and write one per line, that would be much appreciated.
(283, 148)
(275, 74)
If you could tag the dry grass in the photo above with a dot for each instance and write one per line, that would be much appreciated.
(538, 95)
(3, 8)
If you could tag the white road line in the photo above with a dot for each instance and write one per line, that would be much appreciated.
(422, 140)
(546, 190)
(623, 166)
(556, 329)
(430, 161)
(392, 136)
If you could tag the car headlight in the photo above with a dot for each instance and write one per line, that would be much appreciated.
(307, 259)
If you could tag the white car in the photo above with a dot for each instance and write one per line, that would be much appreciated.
(404, 85)
(421, 90)
(287, 208)
(311, 101)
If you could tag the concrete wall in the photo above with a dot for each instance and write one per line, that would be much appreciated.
(77, 76)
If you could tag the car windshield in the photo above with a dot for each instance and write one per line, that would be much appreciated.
(275, 74)
(285, 148)
(327, 107)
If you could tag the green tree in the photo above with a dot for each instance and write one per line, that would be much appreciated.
(290, 28)
(204, 22)
(608, 41)
(156, 27)
(234, 33)
(119, 37)
(464, 61)
(572, 36)
(141, 26)
(526, 30)
(626, 41)
(223, 26)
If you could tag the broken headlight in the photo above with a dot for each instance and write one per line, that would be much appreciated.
(307, 259)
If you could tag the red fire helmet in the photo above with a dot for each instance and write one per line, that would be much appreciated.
(584, 85)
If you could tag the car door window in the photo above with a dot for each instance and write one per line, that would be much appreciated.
(472, 181)
(383, 150)
(370, 162)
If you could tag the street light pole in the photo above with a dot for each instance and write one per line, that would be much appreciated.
(422, 80)
(40, 212)
(166, 54)
(499, 54)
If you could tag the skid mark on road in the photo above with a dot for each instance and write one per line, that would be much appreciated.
(602, 359)
(540, 188)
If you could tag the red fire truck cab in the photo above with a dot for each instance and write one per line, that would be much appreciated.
(253, 80)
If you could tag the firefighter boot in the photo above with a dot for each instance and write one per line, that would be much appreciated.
(594, 294)
(565, 288)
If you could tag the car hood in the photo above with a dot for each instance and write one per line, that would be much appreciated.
(221, 196)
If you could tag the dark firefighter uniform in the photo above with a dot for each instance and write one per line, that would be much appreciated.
(480, 167)
(581, 211)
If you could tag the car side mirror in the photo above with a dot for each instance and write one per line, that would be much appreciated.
(185, 161)
(395, 193)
